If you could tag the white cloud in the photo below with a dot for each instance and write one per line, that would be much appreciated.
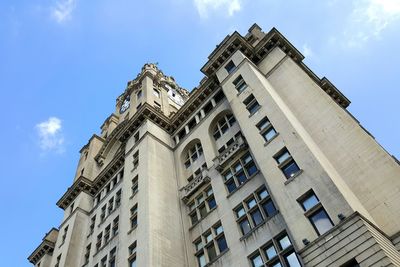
(62, 11)
(369, 19)
(50, 135)
(307, 52)
(204, 7)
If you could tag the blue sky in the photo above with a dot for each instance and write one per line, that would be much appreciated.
(64, 62)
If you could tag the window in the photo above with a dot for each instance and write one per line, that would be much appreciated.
(287, 164)
(110, 205)
(58, 261)
(315, 212)
(103, 262)
(156, 93)
(115, 226)
(230, 67)
(193, 154)
(113, 254)
(133, 218)
(251, 104)
(107, 233)
(118, 198)
(239, 172)
(87, 253)
(202, 204)
(254, 210)
(240, 84)
(157, 105)
(135, 184)
(223, 125)
(132, 255)
(138, 106)
(92, 224)
(103, 213)
(98, 243)
(214, 244)
(277, 252)
(64, 236)
(135, 159)
(71, 208)
(266, 129)
(351, 263)
(139, 94)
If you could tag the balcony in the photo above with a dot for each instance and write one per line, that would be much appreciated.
(222, 159)
(193, 185)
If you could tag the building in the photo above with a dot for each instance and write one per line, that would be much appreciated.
(260, 165)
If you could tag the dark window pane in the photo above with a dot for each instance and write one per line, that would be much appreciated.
(212, 254)
(321, 221)
(241, 176)
(230, 67)
(269, 134)
(245, 226)
(203, 211)
(290, 169)
(222, 244)
(211, 203)
(251, 169)
(269, 208)
(253, 107)
(256, 216)
(231, 185)
(193, 217)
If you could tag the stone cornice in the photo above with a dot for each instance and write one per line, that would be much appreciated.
(46, 246)
(272, 39)
(81, 184)
(91, 138)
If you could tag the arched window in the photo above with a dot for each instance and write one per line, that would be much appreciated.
(192, 154)
(223, 125)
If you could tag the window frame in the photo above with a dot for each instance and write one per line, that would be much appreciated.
(240, 84)
(195, 205)
(288, 161)
(251, 104)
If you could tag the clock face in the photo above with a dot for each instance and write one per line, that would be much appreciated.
(125, 105)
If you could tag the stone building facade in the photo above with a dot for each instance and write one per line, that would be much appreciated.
(260, 165)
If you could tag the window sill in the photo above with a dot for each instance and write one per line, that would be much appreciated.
(132, 229)
(217, 258)
(194, 225)
(239, 93)
(258, 226)
(288, 181)
(240, 186)
(270, 140)
(255, 111)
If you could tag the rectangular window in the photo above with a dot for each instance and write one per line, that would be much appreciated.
(103, 262)
(133, 218)
(286, 163)
(115, 226)
(201, 205)
(277, 252)
(92, 224)
(239, 172)
(118, 198)
(251, 104)
(215, 244)
(135, 184)
(103, 213)
(113, 254)
(87, 253)
(240, 84)
(58, 261)
(157, 105)
(132, 255)
(139, 94)
(156, 93)
(98, 243)
(254, 210)
(135, 160)
(267, 131)
(315, 212)
(107, 233)
(110, 205)
(64, 236)
(230, 67)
